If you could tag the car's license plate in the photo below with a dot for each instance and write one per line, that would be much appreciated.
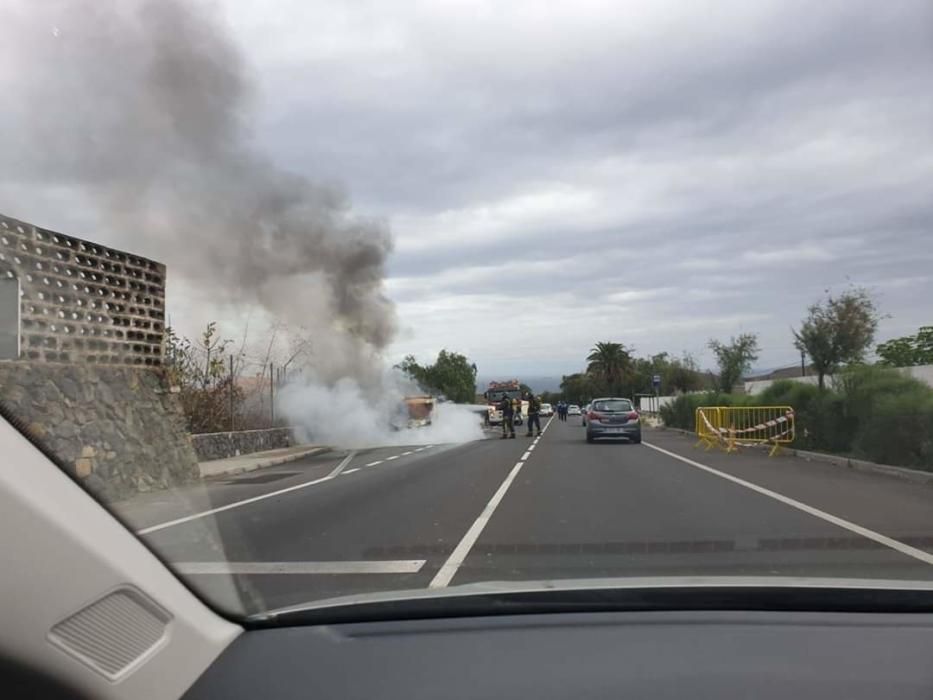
(614, 430)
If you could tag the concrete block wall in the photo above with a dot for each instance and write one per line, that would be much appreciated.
(81, 301)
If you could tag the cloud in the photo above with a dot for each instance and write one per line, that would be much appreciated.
(799, 254)
(655, 173)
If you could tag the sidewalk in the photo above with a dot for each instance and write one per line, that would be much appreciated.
(257, 460)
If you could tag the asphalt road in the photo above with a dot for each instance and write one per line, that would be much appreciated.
(372, 520)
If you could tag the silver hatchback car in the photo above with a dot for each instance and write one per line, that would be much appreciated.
(613, 418)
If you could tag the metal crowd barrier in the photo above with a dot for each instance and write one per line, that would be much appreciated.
(731, 427)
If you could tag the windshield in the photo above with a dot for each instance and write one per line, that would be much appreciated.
(612, 406)
(496, 396)
(266, 274)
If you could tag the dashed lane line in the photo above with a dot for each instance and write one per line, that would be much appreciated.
(272, 494)
(231, 506)
(350, 471)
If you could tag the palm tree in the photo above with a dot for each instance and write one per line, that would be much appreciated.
(609, 362)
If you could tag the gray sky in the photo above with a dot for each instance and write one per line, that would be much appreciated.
(554, 174)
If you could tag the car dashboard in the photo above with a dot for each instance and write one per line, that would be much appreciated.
(704, 654)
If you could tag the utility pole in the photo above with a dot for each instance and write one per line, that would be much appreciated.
(230, 391)
(271, 396)
(803, 363)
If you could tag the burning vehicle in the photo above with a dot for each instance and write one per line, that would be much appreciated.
(414, 412)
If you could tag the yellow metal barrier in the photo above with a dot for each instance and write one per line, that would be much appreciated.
(708, 426)
(732, 427)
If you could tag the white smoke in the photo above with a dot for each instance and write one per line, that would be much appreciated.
(145, 108)
(344, 414)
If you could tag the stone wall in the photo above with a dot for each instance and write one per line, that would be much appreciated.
(118, 429)
(220, 445)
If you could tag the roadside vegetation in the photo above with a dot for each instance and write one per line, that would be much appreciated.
(869, 412)
(856, 409)
(452, 375)
(223, 387)
(613, 370)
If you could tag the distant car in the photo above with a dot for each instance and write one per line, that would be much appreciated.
(613, 418)
(573, 410)
(546, 410)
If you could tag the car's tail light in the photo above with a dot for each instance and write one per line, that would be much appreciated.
(593, 415)
(633, 415)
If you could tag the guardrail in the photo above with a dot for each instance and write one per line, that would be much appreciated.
(731, 427)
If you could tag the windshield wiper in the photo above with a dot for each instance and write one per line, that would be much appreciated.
(614, 595)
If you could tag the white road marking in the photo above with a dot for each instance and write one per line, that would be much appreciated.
(389, 459)
(231, 506)
(346, 460)
(428, 447)
(419, 449)
(457, 557)
(925, 557)
(526, 455)
(404, 566)
(373, 464)
(350, 471)
(405, 454)
(533, 446)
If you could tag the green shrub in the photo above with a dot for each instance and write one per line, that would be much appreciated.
(681, 412)
(789, 393)
(899, 430)
(871, 412)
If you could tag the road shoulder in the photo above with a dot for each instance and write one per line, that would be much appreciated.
(894, 507)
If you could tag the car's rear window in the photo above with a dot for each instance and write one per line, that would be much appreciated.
(616, 405)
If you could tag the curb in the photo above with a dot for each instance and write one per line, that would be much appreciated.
(860, 465)
(264, 463)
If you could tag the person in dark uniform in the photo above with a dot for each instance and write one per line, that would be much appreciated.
(508, 417)
(534, 409)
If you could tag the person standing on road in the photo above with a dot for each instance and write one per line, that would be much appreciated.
(508, 417)
(534, 409)
(561, 411)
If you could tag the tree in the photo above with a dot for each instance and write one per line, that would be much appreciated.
(683, 375)
(409, 365)
(452, 375)
(577, 388)
(609, 363)
(908, 351)
(734, 358)
(206, 390)
(838, 331)
(677, 374)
